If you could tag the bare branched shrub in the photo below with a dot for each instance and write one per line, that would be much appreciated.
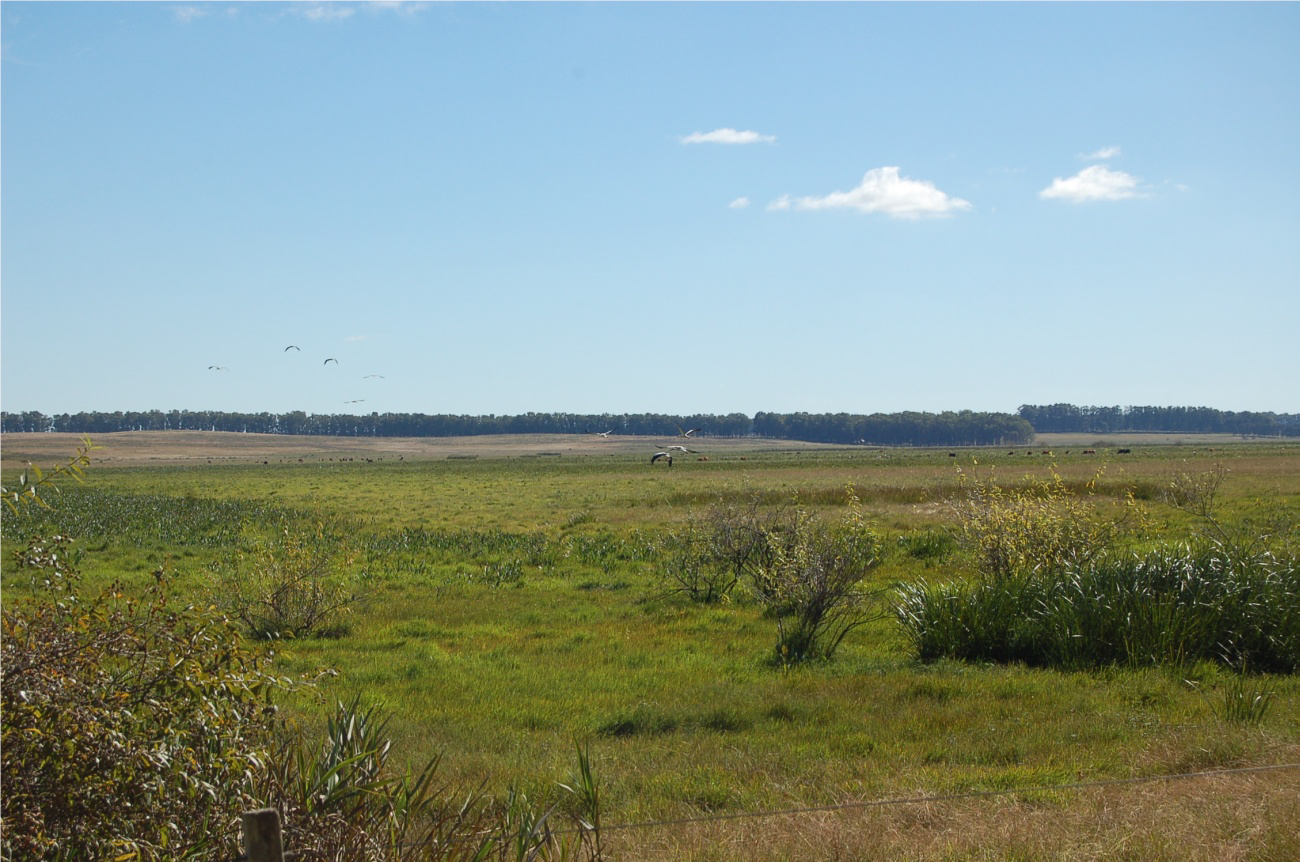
(292, 583)
(1271, 529)
(811, 578)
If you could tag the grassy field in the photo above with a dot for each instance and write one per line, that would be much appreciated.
(514, 601)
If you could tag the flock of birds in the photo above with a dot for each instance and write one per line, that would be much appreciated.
(666, 455)
(327, 361)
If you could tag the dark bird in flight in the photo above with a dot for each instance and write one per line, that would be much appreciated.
(355, 401)
(293, 347)
(328, 361)
(368, 376)
(218, 368)
(656, 456)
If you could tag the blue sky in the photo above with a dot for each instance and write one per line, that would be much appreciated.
(496, 208)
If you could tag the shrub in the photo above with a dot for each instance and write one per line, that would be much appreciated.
(293, 583)
(129, 726)
(1171, 607)
(810, 577)
(1039, 527)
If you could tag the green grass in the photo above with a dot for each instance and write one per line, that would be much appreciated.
(515, 604)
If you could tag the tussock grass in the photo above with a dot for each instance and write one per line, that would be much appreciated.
(1171, 607)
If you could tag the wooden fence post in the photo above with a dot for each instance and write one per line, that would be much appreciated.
(262, 838)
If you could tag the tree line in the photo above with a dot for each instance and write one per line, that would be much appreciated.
(895, 429)
(951, 428)
(1185, 420)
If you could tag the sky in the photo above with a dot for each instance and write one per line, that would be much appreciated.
(625, 207)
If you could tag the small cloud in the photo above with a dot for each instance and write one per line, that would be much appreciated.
(1095, 183)
(727, 136)
(739, 203)
(186, 14)
(405, 8)
(1102, 154)
(327, 12)
(882, 191)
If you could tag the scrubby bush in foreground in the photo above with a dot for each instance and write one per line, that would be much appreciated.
(131, 727)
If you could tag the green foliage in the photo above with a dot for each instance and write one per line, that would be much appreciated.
(33, 482)
(138, 520)
(1171, 607)
(931, 547)
(1041, 526)
(131, 726)
(1243, 702)
(341, 797)
(810, 577)
(293, 582)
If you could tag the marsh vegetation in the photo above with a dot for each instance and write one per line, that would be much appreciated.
(765, 632)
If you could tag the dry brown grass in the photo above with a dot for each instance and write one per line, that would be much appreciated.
(1250, 816)
(142, 448)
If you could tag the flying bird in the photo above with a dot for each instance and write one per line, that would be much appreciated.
(328, 361)
(368, 376)
(293, 347)
(656, 456)
(218, 368)
(684, 449)
(688, 432)
(355, 401)
(603, 433)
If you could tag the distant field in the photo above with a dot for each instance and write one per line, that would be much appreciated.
(138, 448)
(515, 600)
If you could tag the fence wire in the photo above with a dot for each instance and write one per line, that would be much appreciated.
(918, 800)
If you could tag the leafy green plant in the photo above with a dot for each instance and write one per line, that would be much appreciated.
(1244, 702)
(131, 727)
(341, 797)
(812, 582)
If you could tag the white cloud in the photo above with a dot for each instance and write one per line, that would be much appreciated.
(1102, 154)
(727, 136)
(185, 14)
(882, 191)
(1094, 183)
(405, 8)
(327, 12)
(739, 203)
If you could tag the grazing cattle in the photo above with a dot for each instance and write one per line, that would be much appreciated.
(1090, 451)
(1124, 451)
(952, 454)
(702, 458)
